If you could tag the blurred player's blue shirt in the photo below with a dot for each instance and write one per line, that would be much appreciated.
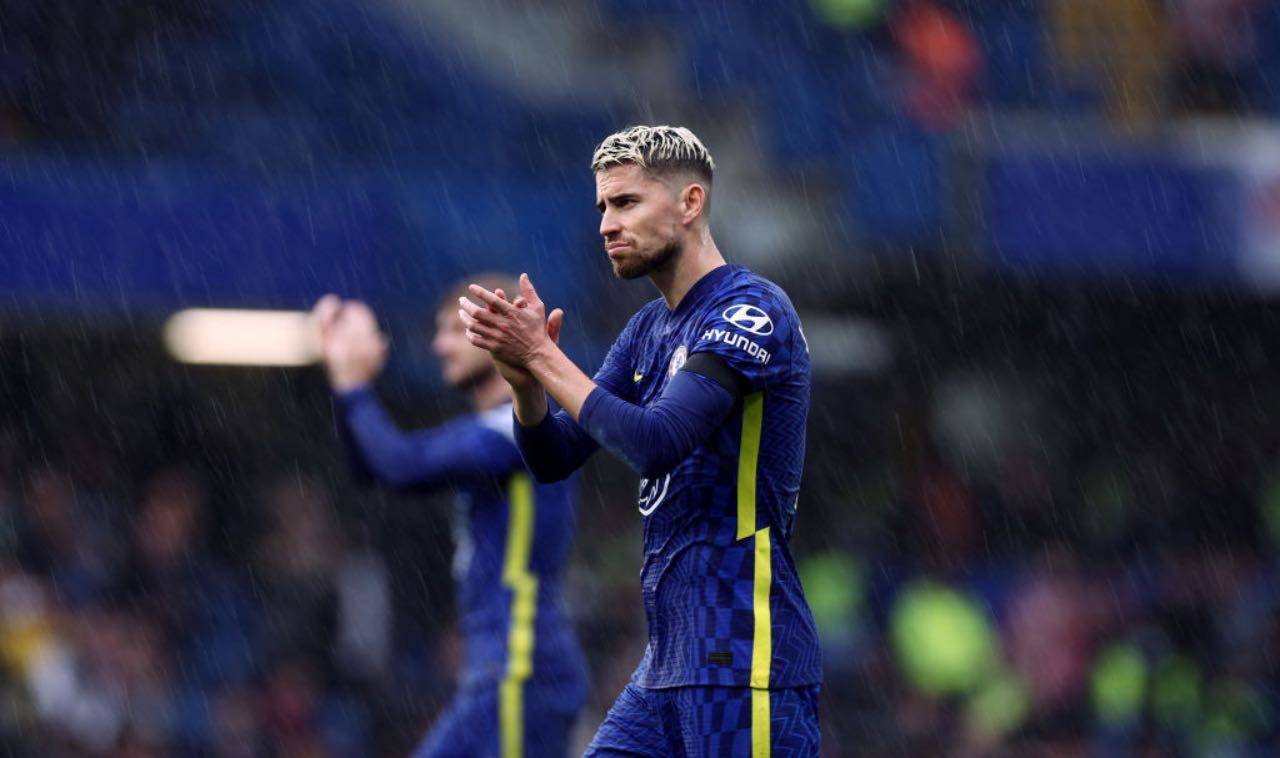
(513, 537)
(721, 592)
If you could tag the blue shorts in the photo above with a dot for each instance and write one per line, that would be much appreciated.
(710, 721)
(507, 721)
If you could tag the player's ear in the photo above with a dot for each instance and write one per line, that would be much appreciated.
(693, 201)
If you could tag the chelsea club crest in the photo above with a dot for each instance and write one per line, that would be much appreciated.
(677, 360)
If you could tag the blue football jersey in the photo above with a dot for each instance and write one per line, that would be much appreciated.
(721, 592)
(513, 538)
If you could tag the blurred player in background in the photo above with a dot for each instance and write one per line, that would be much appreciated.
(705, 393)
(524, 678)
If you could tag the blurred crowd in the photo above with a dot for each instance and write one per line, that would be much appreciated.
(122, 633)
(184, 569)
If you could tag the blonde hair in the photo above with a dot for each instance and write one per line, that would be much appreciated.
(659, 149)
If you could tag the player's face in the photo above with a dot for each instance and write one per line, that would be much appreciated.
(639, 220)
(461, 363)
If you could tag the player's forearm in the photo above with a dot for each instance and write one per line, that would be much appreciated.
(553, 448)
(529, 401)
(563, 380)
(655, 439)
(378, 448)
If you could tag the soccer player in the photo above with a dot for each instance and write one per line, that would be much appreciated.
(705, 394)
(524, 676)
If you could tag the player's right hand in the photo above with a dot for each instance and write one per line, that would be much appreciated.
(353, 348)
(518, 376)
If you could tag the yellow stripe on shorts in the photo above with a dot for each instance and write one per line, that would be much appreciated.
(524, 606)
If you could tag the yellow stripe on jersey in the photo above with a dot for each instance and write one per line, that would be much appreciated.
(762, 581)
(748, 459)
(524, 595)
(762, 645)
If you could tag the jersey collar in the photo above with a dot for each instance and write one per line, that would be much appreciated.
(702, 286)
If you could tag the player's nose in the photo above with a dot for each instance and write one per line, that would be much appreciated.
(609, 225)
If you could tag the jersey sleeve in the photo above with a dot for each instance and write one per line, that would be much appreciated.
(558, 445)
(427, 458)
(654, 439)
(751, 331)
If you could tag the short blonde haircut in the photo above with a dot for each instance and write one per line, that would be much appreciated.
(658, 149)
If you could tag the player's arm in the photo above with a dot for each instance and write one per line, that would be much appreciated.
(427, 458)
(516, 335)
(354, 352)
(553, 444)
(653, 439)
(556, 445)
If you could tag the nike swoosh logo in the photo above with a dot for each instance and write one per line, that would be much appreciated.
(637, 376)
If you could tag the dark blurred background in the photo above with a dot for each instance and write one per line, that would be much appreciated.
(1035, 244)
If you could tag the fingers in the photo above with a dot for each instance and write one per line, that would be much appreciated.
(475, 325)
(527, 291)
(477, 314)
(326, 308)
(480, 340)
(497, 304)
(325, 312)
(554, 323)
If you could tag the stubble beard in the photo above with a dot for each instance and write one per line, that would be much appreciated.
(634, 269)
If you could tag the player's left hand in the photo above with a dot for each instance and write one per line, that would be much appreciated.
(517, 376)
(515, 333)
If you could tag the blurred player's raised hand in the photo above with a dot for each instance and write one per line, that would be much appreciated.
(352, 346)
(323, 316)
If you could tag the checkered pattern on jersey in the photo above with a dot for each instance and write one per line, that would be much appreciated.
(698, 577)
(725, 622)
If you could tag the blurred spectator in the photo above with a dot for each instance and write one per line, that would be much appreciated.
(200, 604)
(297, 561)
(943, 62)
(1216, 43)
(1050, 629)
(1113, 53)
(63, 542)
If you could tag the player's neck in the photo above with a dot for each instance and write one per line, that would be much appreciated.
(490, 393)
(696, 261)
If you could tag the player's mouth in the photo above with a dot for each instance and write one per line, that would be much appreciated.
(615, 247)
